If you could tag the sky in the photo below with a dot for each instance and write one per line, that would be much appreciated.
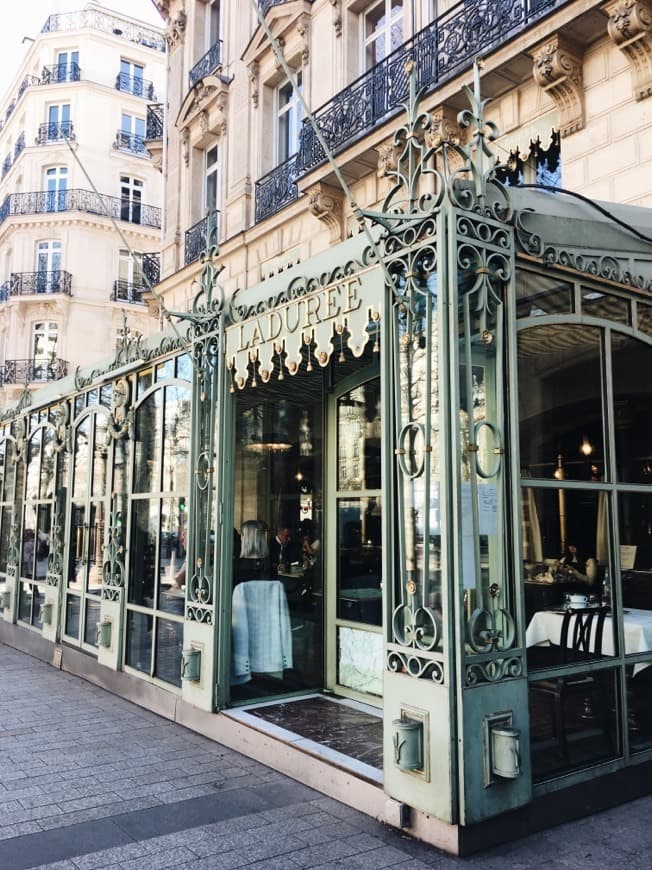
(27, 17)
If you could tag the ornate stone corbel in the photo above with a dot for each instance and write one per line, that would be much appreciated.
(254, 73)
(203, 121)
(303, 29)
(327, 204)
(281, 44)
(176, 30)
(220, 114)
(337, 16)
(443, 127)
(387, 161)
(185, 145)
(558, 70)
(630, 28)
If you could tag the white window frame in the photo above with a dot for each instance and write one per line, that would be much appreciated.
(212, 178)
(131, 186)
(289, 116)
(48, 329)
(382, 30)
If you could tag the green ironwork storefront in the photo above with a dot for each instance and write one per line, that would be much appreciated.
(450, 413)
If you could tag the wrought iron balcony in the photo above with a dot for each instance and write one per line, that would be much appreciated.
(208, 64)
(54, 131)
(154, 122)
(60, 72)
(26, 83)
(106, 22)
(4, 291)
(130, 142)
(440, 51)
(126, 291)
(152, 268)
(29, 371)
(135, 85)
(19, 147)
(6, 165)
(277, 188)
(197, 236)
(44, 201)
(32, 283)
(10, 109)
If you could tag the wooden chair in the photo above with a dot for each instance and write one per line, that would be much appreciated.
(580, 640)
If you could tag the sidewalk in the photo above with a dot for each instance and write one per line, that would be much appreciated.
(88, 780)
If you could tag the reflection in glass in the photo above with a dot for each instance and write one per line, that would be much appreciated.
(100, 456)
(147, 477)
(33, 465)
(169, 643)
(560, 405)
(72, 616)
(632, 361)
(5, 534)
(360, 660)
(571, 723)
(80, 468)
(138, 652)
(358, 437)
(43, 540)
(359, 594)
(176, 439)
(639, 704)
(538, 295)
(9, 474)
(90, 624)
(95, 548)
(77, 548)
(144, 533)
(48, 464)
(172, 556)
(29, 549)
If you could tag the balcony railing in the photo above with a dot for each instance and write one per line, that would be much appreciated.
(44, 201)
(277, 188)
(154, 122)
(440, 51)
(126, 291)
(19, 147)
(10, 109)
(209, 62)
(32, 283)
(6, 165)
(27, 82)
(107, 23)
(60, 72)
(152, 268)
(135, 85)
(29, 371)
(197, 236)
(54, 131)
(130, 142)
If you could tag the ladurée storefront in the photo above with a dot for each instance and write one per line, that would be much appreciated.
(383, 520)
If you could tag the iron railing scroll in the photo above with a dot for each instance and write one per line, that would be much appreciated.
(207, 64)
(135, 85)
(29, 371)
(152, 268)
(127, 291)
(60, 72)
(19, 147)
(33, 283)
(440, 51)
(196, 237)
(54, 131)
(154, 121)
(44, 201)
(130, 142)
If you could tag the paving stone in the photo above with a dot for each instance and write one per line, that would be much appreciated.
(159, 860)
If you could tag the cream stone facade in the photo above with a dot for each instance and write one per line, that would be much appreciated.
(581, 68)
(72, 144)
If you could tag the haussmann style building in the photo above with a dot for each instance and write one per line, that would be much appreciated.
(79, 192)
(376, 507)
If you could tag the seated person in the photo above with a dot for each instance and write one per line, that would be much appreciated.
(253, 561)
(282, 550)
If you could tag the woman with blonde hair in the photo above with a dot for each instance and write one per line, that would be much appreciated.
(253, 560)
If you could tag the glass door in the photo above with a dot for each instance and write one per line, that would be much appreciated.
(355, 641)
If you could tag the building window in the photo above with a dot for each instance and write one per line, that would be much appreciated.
(44, 347)
(131, 78)
(48, 266)
(130, 268)
(59, 124)
(131, 196)
(56, 185)
(289, 120)
(213, 28)
(211, 185)
(67, 66)
(383, 30)
(131, 136)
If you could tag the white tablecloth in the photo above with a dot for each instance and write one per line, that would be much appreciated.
(545, 627)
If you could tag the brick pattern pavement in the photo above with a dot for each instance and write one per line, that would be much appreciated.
(89, 781)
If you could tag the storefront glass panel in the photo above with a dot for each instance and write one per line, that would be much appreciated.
(277, 598)
(632, 408)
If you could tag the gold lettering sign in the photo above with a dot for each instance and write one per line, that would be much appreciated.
(276, 339)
